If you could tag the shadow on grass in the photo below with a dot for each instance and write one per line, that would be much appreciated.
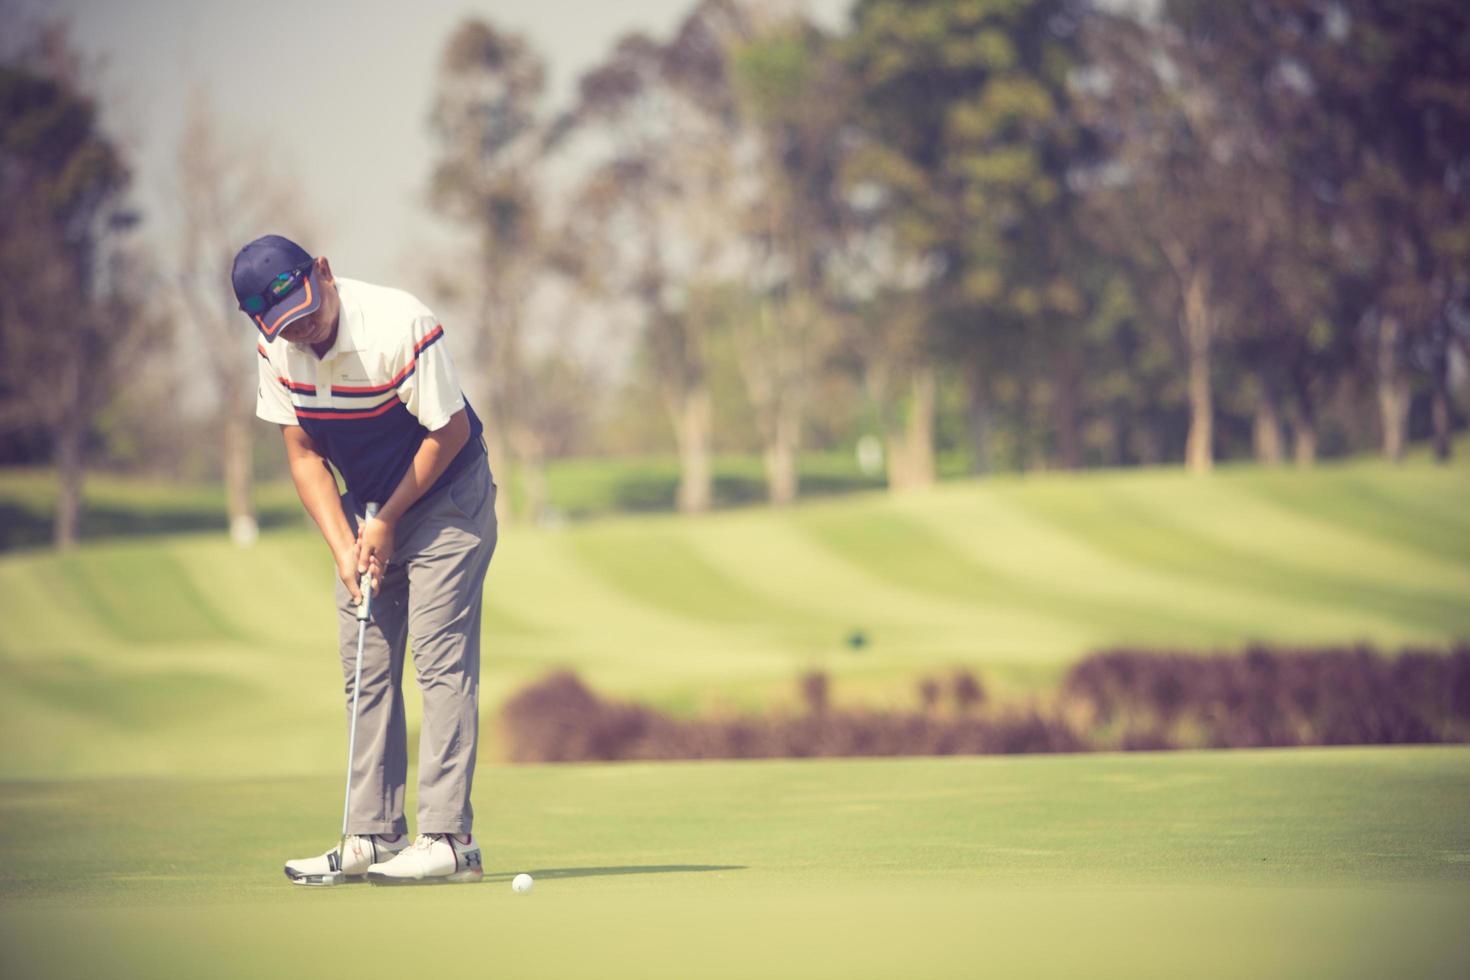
(628, 869)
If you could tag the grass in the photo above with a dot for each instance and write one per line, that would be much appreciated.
(171, 730)
(1015, 577)
(577, 489)
(128, 507)
(1344, 862)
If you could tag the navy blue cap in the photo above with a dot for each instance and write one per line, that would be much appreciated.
(275, 283)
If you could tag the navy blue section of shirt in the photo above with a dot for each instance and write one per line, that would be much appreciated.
(372, 454)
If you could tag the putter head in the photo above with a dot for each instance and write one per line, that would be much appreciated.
(317, 881)
(334, 875)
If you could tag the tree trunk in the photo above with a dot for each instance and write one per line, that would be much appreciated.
(1267, 430)
(1304, 439)
(1149, 443)
(978, 411)
(1303, 422)
(1198, 449)
(238, 470)
(780, 456)
(70, 433)
(1065, 402)
(533, 482)
(693, 419)
(911, 450)
(1393, 388)
(69, 476)
(896, 461)
(1022, 435)
(1439, 406)
(531, 466)
(497, 454)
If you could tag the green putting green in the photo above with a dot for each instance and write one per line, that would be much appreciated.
(1329, 862)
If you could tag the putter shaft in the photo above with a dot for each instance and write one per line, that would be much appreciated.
(364, 610)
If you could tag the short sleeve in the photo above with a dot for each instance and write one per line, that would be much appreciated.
(272, 403)
(430, 390)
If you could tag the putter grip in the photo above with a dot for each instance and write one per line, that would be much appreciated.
(366, 585)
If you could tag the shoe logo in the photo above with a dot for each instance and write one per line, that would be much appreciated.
(472, 860)
(334, 861)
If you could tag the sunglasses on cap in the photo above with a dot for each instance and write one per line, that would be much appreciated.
(275, 290)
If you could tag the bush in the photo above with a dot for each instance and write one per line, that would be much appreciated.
(1132, 700)
(1268, 697)
(559, 719)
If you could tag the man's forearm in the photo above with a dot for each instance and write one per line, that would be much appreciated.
(317, 489)
(434, 455)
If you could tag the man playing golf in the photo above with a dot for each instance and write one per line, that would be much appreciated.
(356, 377)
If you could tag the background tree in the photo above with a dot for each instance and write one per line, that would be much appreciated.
(227, 195)
(71, 321)
(1396, 79)
(967, 143)
(661, 120)
(796, 98)
(489, 121)
(1180, 152)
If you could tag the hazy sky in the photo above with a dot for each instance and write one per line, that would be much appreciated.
(340, 90)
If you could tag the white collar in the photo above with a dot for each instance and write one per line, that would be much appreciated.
(349, 326)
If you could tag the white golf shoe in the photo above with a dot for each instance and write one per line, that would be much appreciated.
(361, 853)
(434, 859)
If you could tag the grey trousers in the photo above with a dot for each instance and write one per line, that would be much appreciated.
(429, 599)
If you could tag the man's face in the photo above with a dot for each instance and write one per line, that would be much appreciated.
(317, 328)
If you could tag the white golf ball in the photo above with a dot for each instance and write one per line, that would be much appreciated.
(521, 883)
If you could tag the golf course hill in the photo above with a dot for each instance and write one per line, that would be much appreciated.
(183, 653)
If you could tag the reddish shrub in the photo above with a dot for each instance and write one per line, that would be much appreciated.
(814, 691)
(1132, 699)
(928, 693)
(967, 691)
(1268, 697)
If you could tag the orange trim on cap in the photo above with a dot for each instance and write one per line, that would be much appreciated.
(298, 307)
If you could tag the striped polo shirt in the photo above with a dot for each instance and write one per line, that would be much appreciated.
(386, 383)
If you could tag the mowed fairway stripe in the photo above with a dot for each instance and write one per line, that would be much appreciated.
(903, 554)
(654, 564)
(1372, 505)
(773, 555)
(1138, 603)
(904, 549)
(1135, 530)
(142, 594)
(43, 614)
(127, 700)
(583, 619)
(270, 595)
(1249, 524)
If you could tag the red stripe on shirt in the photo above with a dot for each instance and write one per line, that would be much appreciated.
(307, 413)
(429, 338)
(375, 389)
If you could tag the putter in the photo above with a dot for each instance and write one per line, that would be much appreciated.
(364, 609)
